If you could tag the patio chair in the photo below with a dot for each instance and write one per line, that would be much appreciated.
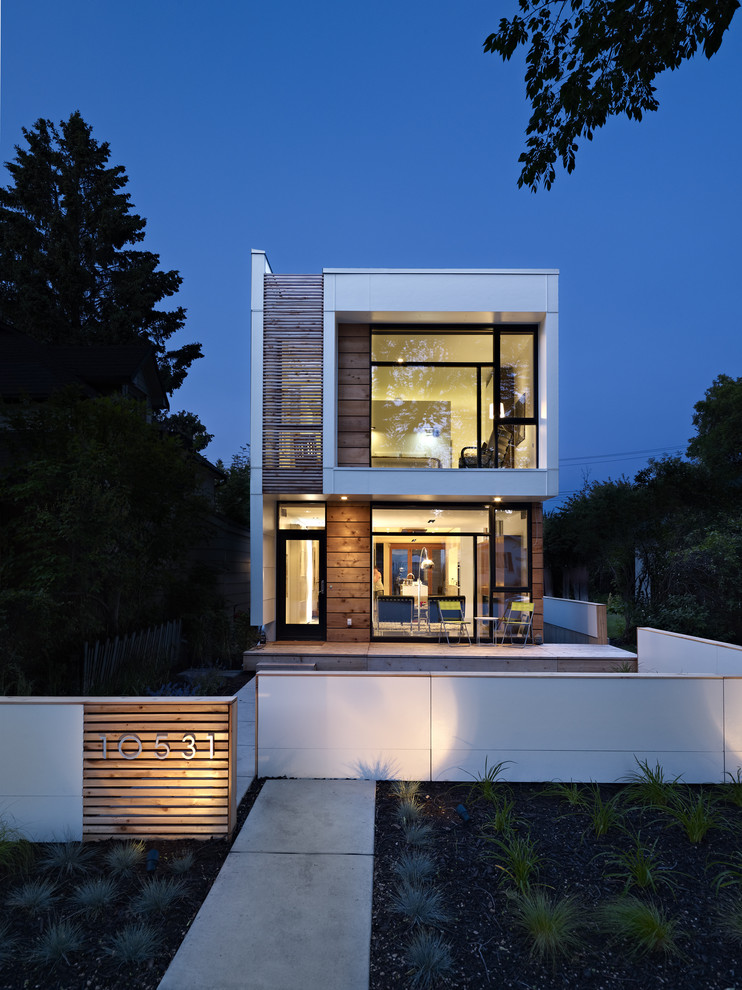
(516, 623)
(451, 612)
(395, 611)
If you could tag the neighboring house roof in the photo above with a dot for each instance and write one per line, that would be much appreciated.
(35, 370)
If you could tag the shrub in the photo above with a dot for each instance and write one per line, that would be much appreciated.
(158, 896)
(639, 866)
(406, 790)
(414, 867)
(420, 905)
(732, 790)
(649, 786)
(502, 819)
(182, 864)
(489, 784)
(730, 918)
(59, 940)
(573, 794)
(123, 858)
(94, 896)
(428, 957)
(34, 896)
(518, 859)
(67, 858)
(408, 812)
(8, 942)
(644, 926)
(418, 833)
(16, 853)
(694, 813)
(604, 815)
(134, 944)
(550, 925)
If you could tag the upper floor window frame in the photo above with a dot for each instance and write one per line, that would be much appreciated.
(481, 367)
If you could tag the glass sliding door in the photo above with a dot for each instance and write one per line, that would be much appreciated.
(301, 586)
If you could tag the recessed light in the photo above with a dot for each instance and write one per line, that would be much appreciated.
(498, 499)
(343, 498)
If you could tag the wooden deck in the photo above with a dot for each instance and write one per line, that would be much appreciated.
(551, 657)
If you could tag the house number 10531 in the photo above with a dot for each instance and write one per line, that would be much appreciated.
(130, 746)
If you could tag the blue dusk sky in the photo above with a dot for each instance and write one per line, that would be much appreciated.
(353, 135)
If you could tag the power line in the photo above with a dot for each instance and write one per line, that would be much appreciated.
(623, 455)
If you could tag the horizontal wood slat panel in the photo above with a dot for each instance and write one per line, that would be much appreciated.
(352, 544)
(353, 424)
(355, 392)
(150, 785)
(292, 383)
(353, 456)
(348, 571)
(349, 512)
(353, 407)
(348, 575)
(354, 345)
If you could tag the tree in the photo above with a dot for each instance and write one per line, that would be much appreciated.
(590, 60)
(69, 273)
(100, 510)
(233, 494)
(718, 422)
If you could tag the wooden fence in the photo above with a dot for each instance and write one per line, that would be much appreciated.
(103, 659)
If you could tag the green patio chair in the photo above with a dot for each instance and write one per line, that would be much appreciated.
(451, 614)
(516, 623)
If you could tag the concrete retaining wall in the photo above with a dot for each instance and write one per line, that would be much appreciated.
(673, 653)
(41, 767)
(567, 621)
(548, 726)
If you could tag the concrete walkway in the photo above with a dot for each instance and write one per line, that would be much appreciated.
(291, 907)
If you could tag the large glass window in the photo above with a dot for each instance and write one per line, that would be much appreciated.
(453, 398)
(479, 555)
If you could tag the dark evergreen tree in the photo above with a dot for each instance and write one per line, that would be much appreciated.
(69, 272)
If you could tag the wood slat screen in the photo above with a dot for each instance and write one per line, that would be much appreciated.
(165, 767)
(292, 383)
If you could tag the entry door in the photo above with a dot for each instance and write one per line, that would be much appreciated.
(301, 586)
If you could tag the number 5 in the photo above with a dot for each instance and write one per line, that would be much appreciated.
(162, 749)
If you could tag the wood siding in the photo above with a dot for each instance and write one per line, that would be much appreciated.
(348, 572)
(292, 383)
(159, 767)
(537, 567)
(354, 395)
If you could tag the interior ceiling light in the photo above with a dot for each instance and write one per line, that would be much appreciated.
(343, 498)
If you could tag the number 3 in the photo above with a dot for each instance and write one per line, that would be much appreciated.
(190, 742)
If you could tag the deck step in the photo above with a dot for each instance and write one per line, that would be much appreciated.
(284, 665)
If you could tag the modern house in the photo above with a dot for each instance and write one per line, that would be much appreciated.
(404, 425)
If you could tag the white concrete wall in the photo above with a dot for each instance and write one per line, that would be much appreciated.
(547, 726)
(578, 616)
(673, 653)
(41, 768)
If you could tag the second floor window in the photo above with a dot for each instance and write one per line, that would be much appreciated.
(458, 397)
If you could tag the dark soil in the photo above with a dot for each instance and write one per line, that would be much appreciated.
(486, 947)
(93, 967)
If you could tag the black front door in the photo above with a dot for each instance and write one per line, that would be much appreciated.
(302, 610)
